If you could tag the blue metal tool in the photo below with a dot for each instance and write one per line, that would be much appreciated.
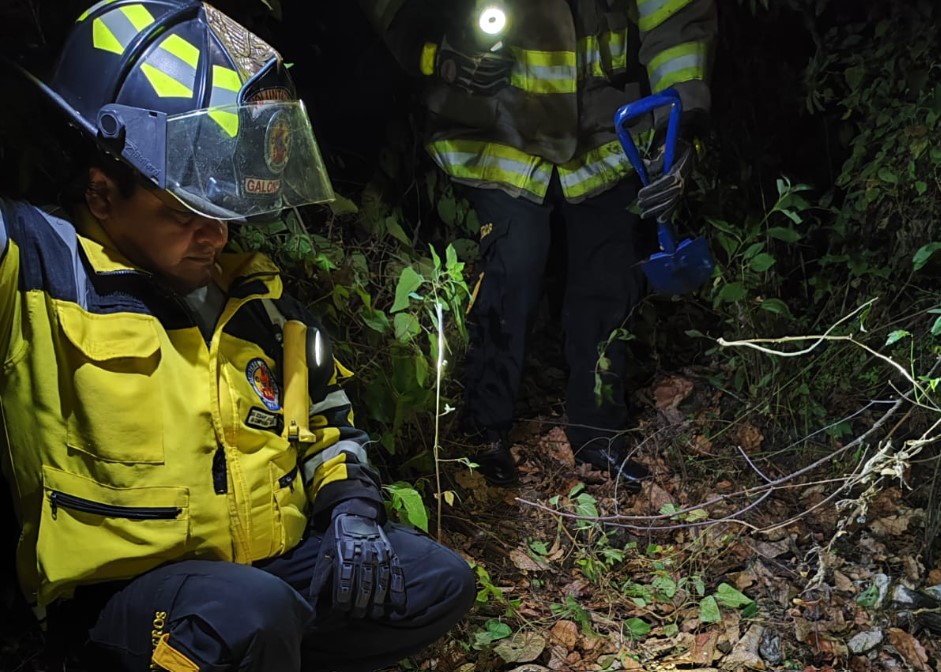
(678, 268)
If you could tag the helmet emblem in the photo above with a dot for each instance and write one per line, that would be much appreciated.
(277, 142)
(263, 382)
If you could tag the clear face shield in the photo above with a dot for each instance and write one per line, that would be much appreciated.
(248, 161)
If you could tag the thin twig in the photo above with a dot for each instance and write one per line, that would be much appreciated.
(762, 491)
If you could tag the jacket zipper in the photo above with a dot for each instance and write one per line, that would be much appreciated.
(288, 479)
(110, 510)
(220, 476)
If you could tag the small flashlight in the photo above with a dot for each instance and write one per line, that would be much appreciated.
(492, 20)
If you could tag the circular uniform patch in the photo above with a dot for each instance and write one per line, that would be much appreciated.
(264, 383)
(277, 142)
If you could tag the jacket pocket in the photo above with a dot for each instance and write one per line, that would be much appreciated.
(450, 104)
(92, 532)
(110, 396)
(291, 506)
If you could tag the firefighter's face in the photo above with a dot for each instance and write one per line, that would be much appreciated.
(158, 234)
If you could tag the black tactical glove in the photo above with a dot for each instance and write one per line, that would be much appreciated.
(472, 68)
(360, 563)
(660, 198)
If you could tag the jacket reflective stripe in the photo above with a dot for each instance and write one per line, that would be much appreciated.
(591, 173)
(314, 462)
(115, 30)
(590, 59)
(594, 171)
(333, 400)
(651, 13)
(548, 72)
(544, 71)
(489, 162)
(677, 64)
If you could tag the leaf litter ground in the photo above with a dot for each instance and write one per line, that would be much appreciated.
(708, 567)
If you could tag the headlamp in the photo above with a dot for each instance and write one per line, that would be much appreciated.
(492, 20)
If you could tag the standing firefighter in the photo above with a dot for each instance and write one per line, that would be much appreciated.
(192, 492)
(521, 99)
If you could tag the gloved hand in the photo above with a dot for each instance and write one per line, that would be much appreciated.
(660, 198)
(360, 567)
(476, 70)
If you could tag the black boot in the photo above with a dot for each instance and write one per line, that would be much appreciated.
(616, 463)
(496, 464)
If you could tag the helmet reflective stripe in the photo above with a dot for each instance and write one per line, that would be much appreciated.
(93, 8)
(226, 85)
(115, 30)
(176, 75)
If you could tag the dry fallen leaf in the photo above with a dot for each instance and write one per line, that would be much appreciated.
(670, 392)
(909, 648)
(890, 525)
(701, 445)
(913, 569)
(564, 633)
(558, 447)
(703, 649)
(656, 496)
(744, 579)
(843, 583)
(523, 647)
(524, 561)
(749, 438)
(745, 654)
(557, 659)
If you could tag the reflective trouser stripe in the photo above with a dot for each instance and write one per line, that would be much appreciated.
(651, 13)
(489, 162)
(681, 63)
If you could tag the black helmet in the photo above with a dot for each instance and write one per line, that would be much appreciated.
(196, 103)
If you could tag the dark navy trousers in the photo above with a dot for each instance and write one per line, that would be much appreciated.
(227, 617)
(604, 244)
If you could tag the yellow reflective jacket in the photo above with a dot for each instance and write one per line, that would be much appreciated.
(128, 438)
(576, 63)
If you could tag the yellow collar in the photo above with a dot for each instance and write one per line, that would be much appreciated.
(99, 249)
